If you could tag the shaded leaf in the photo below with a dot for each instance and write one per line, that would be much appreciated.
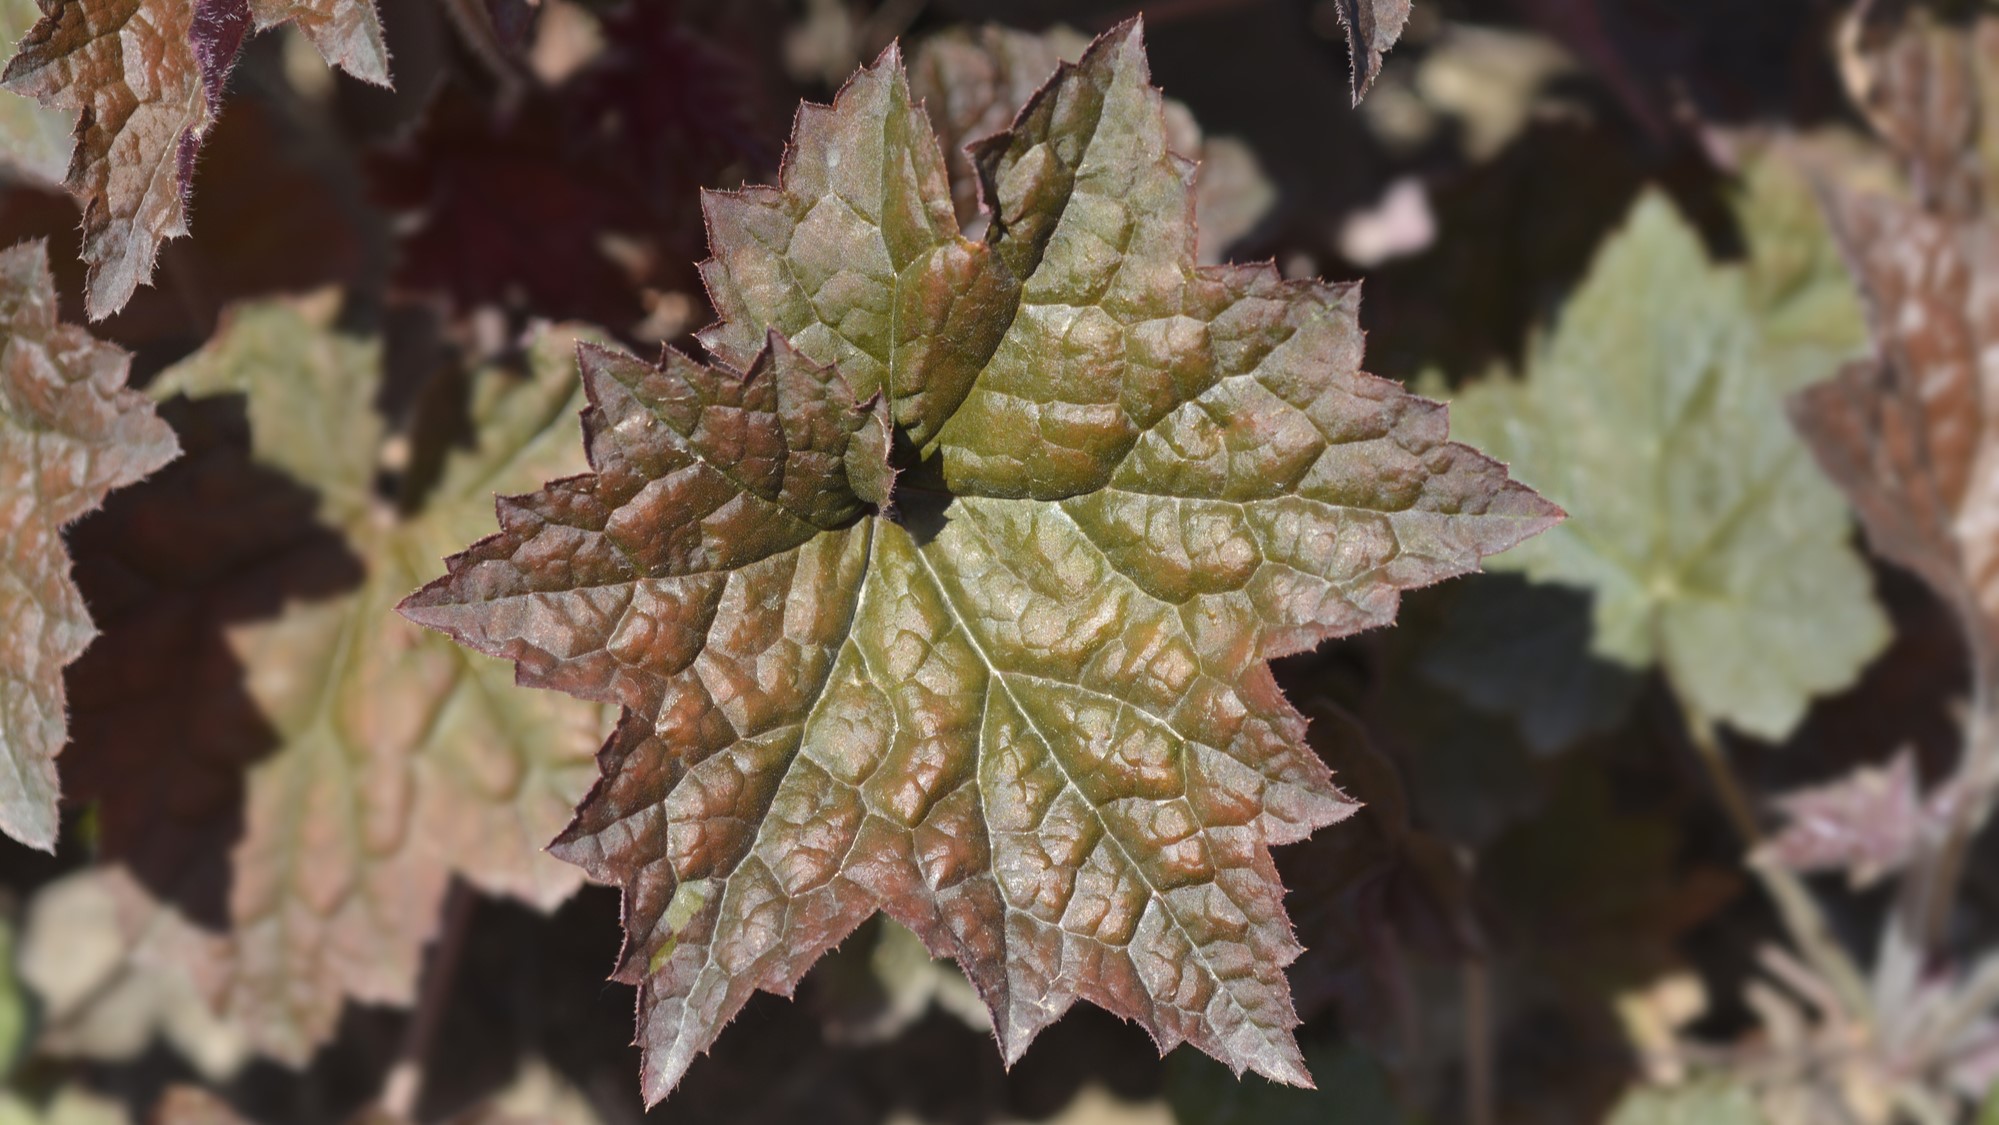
(578, 200)
(146, 78)
(70, 432)
(1711, 544)
(395, 759)
(1523, 649)
(1372, 27)
(1025, 708)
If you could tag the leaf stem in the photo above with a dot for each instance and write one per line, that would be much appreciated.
(1796, 907)
(1930, 889)
(405, 1080)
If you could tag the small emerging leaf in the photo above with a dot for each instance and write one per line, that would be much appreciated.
(1022, 705)
(70, 432)
(1868, 824)
(1711, 543)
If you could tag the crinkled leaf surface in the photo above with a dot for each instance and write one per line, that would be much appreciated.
(1712, 545)
(395, 759)
(1024, 708)
(972, 81)
(70, 432)
(146, 79)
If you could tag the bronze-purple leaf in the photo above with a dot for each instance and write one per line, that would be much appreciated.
(1025, 709)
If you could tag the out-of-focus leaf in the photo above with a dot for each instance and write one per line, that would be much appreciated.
(1372, 28)
(98, 952)
(192, 1105)
(1523, 649)
(33, 139)
(395, 759)
(1031, 718)
(146, 78)
(1490, 79)
(1906, 433)
(578, 200)
(1352, 1090)
(1924, 85)
(1869, 823)
(70, 432)
(1708, 1101)
(1712, 545)
(71, 1105)
(972, 81)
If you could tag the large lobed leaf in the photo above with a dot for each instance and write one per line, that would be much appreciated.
(1024, 709)
(146, 79)
(386, 760)
(70, 432)
(1655, 411)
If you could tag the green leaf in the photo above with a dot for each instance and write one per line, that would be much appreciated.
(1710, 1101)
(1654, 411)
(70, 432)
(1024, 707)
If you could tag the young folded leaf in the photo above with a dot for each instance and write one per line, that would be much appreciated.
(1022, 704)
(70, 432)
(1712, 544)
(252, 673)
(147, 78)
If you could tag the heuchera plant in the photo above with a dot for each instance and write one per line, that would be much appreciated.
(948, 587)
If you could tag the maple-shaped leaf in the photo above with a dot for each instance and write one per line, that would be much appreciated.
(1654, 411)
(1372, 27)
(972, 81)
(1024, 708)
(70, 432)
(146, 78)
(396, 759)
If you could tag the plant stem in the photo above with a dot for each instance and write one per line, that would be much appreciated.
(1930, 889)
(1796, 907)
(405, 1081)
(1480, 1094)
